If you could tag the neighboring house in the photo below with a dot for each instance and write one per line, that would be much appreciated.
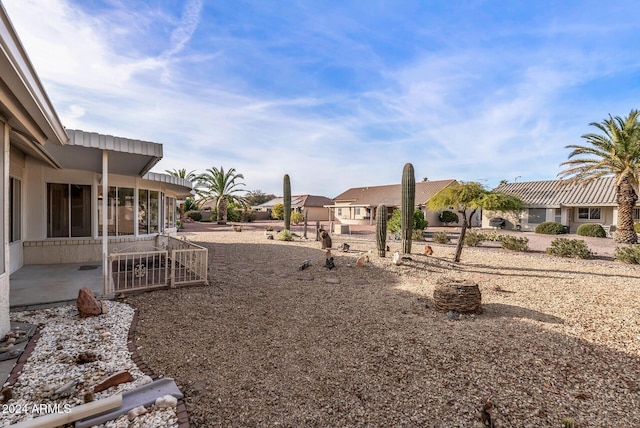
(358, 204)
(568, 204)
(312, 205)
(69, 196)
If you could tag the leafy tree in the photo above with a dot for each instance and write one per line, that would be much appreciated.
(615, 151)
(220, 186)
(257, 197)
(468, 198)
(277, 211)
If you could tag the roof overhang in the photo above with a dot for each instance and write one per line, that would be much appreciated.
(126, 156)
(182, 188)
(24, 104)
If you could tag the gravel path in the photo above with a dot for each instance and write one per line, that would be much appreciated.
(266, 344)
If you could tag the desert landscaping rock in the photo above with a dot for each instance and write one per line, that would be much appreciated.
(555, 339)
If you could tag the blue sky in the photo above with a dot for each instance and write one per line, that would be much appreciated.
(339, 94)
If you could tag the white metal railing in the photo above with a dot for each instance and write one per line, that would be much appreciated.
(189, 262)
(139, 270)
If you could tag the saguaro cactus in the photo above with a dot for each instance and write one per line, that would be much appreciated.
(381, 229)
(407, 206)
(286, 196)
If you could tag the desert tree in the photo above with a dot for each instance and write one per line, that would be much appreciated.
(467, 199)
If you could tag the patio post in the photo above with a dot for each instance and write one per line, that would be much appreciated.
(105, 229)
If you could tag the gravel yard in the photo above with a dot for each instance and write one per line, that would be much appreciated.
(267, 344)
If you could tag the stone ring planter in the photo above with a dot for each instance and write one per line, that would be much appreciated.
(457, 296)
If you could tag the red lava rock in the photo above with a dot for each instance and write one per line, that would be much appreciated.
(87, 304)
(428, 251)
(113, 380)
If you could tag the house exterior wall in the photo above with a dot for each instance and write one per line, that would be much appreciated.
(317, 214)
(37, 248)
(5, 322)
(569, 216)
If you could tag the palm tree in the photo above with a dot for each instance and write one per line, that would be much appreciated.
(614, 152)
(219, 186)
(182, 173)
(189, 176)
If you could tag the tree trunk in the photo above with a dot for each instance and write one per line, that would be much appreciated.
(626, 197)
(463, 231)
(222, 210)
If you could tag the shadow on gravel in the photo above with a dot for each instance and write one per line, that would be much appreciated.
(499, 310)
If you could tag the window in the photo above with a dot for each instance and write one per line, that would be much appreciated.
(339, 212)
(120, 212)
(589, 213)
(558, 216)
(636, 214)
(357, 211)
(169, 212)
(68, 210)
(537, 215)
(148, 206)
(15, 209)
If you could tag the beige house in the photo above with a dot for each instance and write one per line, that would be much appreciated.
(570, 205)
(358, 204)
(312, 205)
(70, 196)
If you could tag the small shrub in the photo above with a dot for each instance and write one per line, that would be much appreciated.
(205, 220)
(630, 254)
(269, 229)
(417, 235)
(591, 229)
(575, 248)
(297, 218)
(194, 215)
(441, 238)
(179, 225)
(636, 227)
(515, 244)
(492, 236)
(247, 216)
(448, 217)
(473, 238)
(237, 228)
(285, 235)
(550, 228)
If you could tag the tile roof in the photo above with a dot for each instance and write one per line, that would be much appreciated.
(391, 194)
(299, 201)
(553, 194)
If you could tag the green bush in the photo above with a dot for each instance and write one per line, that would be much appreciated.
(473, 238)
(277, 212)
(194, 215)
(394, 224)
(297, 218)
(515, 244)
(630, 254)
(205, 220)
(448, 217)
(550, 228)
(591, 229)
(575, 248)
(636, 227)
(441, 238)
(285, 235)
